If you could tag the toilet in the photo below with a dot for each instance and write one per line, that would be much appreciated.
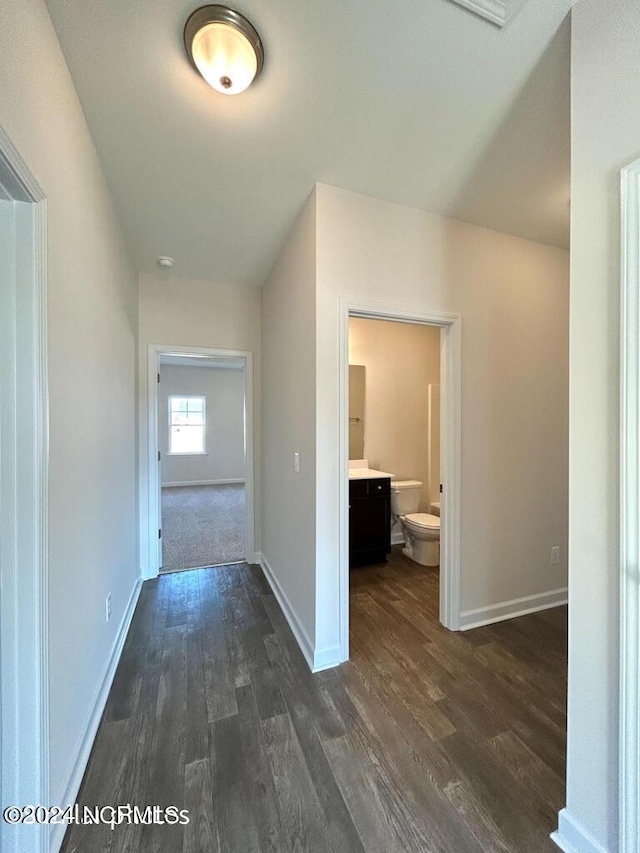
(421, 530)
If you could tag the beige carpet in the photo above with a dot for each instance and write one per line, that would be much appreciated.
(202, 526)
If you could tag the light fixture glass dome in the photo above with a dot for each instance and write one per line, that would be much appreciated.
(224, 47)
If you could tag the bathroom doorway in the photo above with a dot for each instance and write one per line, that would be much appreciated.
(402, 372)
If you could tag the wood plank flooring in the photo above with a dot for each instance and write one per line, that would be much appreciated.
(426, 741)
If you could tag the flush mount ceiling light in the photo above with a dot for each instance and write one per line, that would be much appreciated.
(224, 48)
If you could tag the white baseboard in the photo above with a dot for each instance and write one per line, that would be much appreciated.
(573, 837)
(327, 658)
(397, 539)
(511, 609)
(299, 631)
(317, 659)
(82, 751)
(230, 482)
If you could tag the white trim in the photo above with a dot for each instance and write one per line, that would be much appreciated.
(230, 482)
(297, 628)
(88, 731)
(24, 603)
(629, 714)
(491, 10)
(151, 546)
(512, 609)
(572, 837)
(326, 658)
(450, 373)
(496, 11)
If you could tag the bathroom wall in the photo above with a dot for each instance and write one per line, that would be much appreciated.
(223, 390)
(401, 361)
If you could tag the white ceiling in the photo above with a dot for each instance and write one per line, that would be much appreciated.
(419, 102)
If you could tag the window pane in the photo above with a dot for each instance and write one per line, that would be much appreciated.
(195, 404)
(195, 417)
(179, 418)
(178, 404)
(186, 439)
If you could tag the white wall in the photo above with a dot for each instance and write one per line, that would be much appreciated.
(289, 421)
(513, 298)
(401, 361)
(606, 137)
(92, 325)
(186, 312)
(223, 390)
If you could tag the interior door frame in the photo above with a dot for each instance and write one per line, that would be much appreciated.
(450, 443)
(629, 713)
(24, 455)
(152, 440)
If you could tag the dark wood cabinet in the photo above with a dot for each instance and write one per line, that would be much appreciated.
(369, 521)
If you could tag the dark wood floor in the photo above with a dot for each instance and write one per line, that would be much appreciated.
(425, 741)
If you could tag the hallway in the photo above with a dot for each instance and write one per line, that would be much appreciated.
(425, 741)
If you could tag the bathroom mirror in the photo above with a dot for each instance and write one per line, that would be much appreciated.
(356, 411)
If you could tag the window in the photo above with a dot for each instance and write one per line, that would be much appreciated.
(186, 424)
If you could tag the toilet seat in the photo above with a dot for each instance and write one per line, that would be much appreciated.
(423, 520)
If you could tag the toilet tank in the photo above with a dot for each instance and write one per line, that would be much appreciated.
(405, 496)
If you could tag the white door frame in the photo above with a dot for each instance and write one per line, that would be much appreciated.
(24, 601)
(629, 754)
(153, 445)
(450, 381)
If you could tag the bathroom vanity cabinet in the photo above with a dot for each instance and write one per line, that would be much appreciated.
(369, 520)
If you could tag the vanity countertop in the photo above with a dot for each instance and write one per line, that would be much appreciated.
(367, 474)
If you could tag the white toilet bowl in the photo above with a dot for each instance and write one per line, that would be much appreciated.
(421, 531)
(422, 538)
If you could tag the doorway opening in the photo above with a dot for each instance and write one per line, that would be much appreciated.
(200, 458)
(422, 445)
(394, 459)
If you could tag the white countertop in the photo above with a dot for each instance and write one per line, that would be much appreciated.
(367, 474)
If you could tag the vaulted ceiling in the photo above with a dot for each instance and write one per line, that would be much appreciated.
(419, 102)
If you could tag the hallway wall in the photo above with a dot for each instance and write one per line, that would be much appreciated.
(605, 138)
(187, 312)
(92, 327)
(513, 297)
(289, 416)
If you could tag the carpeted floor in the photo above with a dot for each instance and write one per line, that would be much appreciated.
(202, 526)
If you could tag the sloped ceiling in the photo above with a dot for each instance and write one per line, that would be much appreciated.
(418, 102)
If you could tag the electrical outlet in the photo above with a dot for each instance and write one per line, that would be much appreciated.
(107, 607)
(555, 556)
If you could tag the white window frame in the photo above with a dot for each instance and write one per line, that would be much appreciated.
(202, 452)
